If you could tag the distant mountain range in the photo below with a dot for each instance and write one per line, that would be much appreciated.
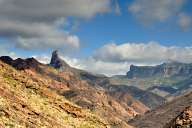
(164, 70)
(116, 100)
(166, 80)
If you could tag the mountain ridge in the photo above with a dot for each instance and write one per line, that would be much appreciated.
(163, 70)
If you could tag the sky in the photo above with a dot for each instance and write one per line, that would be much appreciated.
(100, 36)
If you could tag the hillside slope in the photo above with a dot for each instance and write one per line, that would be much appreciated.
(165, 115)
(68, 83)
(27, 102)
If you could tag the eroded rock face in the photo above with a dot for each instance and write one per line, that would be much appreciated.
(57, 62)
(163, 70)
(184, 120)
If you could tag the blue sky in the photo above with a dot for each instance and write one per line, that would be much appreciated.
(98, 27)
(125, 28)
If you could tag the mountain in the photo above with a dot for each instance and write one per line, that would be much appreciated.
(27, 101)
(57, 62)
(21, 64)
(92, 96)
(176, 113)
(166, 80)
(93, 99)
(78, 87)
(149, 99)
(163, 70)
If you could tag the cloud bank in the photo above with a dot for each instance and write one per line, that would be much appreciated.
(33, 24)
(151, 52)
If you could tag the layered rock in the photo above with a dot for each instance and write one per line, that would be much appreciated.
(163, 70)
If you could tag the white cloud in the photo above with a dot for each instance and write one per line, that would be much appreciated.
(107, 68)
(149, 11)
(35, 24)
(101, 67)
(42, 58)
(37, 35)
(151, 52)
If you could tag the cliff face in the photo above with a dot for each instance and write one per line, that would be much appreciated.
(163, 70)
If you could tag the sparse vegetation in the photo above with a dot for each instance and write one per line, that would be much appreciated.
(28, 103)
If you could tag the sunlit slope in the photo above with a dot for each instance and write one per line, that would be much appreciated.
(27, 102)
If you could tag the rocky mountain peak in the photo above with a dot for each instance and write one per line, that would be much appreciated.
(55, 55)
(57, 62)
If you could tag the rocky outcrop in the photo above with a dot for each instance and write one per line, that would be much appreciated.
(184, 120)
(21, 64)
(57, 62)
(163, 70)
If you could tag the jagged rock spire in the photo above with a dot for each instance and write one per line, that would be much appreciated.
(54, 58)
(57, 62)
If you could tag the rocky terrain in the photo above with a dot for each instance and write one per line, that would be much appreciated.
(184, 120)
(27, 101)
(169, 115)
(89, 100)
(68, 82)
(167, 80)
